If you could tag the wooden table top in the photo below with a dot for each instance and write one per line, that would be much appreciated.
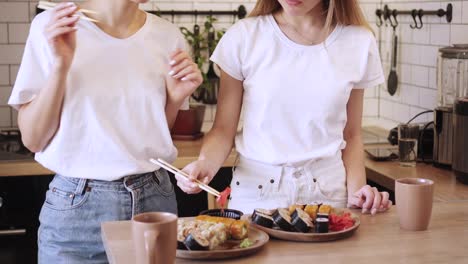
(378, 240)
(447, 188)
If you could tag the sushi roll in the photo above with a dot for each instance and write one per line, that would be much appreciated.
(282, 218)
(268, 212)
(292, 208)
(301, 221)
(321, 225)
(262, 220)
(311, 210)
(321, 215)
(325, 209)
(196, 241)
(239, 229)
(181, 242)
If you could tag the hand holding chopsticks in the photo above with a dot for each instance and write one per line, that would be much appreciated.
(175, 170)
(49, 5)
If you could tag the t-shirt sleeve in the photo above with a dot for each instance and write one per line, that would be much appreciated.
(228, 52)
(34, 68)
(373, 72)
(183, 45)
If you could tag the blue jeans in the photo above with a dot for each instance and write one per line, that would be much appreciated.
(71, 217)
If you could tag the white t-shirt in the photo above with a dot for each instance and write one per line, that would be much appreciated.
(295, 96)
(113, 118)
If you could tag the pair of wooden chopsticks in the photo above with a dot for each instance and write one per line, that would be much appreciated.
(49, 5)
(175, 170)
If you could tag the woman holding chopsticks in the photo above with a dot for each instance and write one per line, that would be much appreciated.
(298, 68)
(95, 102)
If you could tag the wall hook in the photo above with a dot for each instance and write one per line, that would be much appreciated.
(420, 15)
(393, 23)
(414, 13)
(378, 13)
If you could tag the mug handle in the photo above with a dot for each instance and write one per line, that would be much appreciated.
(150, 244)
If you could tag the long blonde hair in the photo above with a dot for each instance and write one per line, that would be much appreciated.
(338, 12)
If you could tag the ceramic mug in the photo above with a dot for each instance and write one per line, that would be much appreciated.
(414, 197)
(155, 237)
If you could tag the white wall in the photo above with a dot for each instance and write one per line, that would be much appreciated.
(416, 67)
(417, 58)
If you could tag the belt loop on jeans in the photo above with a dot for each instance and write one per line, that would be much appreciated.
(81, 187)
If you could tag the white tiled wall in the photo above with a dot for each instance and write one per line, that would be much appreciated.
(417, 51)
(417, 57)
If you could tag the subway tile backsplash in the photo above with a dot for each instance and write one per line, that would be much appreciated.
(417, 52)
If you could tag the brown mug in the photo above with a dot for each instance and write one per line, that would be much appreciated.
(155, 237)
(414, 197)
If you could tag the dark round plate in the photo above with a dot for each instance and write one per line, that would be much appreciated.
(228, 213)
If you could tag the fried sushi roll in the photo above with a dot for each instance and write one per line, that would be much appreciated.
(325, 209)
(196, 241)
(293, 207)
(311, 210)
(239, 229)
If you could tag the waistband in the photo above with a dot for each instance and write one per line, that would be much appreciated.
(131, 182)
(307, 165)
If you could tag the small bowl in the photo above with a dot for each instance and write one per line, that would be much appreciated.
(228, 213)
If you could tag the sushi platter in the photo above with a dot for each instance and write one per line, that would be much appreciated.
(208, 237)
(306, 223)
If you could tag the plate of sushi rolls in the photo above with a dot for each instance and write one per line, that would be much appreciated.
(212, 237)
(306, 223)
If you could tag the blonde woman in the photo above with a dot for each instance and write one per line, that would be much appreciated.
(299, 69)
(95, 103)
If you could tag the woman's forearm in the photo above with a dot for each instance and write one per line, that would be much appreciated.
(40, 119)
(172, 109)
(217, 145)
(353, 159)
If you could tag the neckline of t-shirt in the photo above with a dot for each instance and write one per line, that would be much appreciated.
(134, 35)
(329, 40)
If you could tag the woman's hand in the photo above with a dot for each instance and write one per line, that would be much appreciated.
(201, 170)
(60, 34)
(370, 200)
(184, 76)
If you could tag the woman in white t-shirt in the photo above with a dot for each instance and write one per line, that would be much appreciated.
(299, 69)
(95, 103)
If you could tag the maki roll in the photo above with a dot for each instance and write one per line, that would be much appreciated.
(196, 241)
(262, 220)
(321, 225)
(282, 218)
(311, 210)
(322, 215)
(181, 242)
(267, 212)
(301, 221)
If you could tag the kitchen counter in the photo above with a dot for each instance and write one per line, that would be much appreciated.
(188, 152)
(378, 240)
(383, 173)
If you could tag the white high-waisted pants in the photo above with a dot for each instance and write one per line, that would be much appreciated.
(260, 185)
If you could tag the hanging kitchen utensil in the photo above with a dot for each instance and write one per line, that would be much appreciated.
(392, 83)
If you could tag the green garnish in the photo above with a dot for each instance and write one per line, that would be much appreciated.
(246, 243)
